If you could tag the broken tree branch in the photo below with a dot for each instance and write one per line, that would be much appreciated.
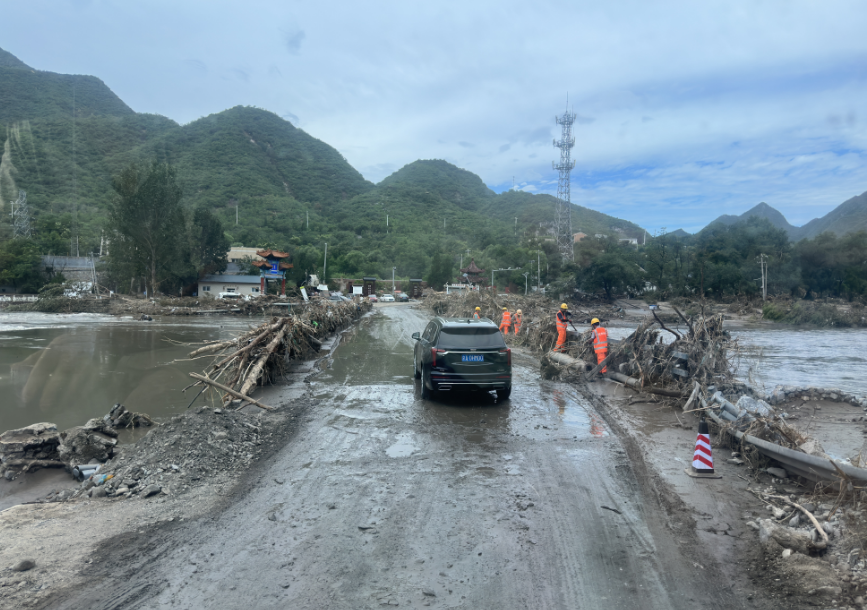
(229, 390)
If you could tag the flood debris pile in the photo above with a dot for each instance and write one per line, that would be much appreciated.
(186, 451)
(42, 446)
(260, 356)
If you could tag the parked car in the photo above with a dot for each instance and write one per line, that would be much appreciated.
(232, 296)
(455, 354)
(372, 298)
(387, 298)
(403, 298)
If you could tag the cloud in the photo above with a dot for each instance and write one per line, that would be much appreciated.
(466, 145)
(195, 66)
(505, 147)
(292, 41)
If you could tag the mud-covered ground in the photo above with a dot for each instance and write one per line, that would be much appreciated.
(367, 496)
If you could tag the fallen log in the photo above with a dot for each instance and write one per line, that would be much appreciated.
(257, 369)
(256, 341)
(229, 390)
(636, 384)
(567, 360)
(691, 397)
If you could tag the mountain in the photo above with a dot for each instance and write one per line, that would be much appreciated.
(63, 138)
(849, 216)
(680, 233)
(762, 210)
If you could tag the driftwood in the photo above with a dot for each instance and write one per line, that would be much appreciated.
(258, 368)
(229, 390)
(692, 397)
(636, 384)
(819, 546)
(567, 360)
(678, 335)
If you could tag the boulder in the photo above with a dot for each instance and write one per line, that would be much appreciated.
(28, 448)
(812, 447)
(777, 472)
(757, 408)
(81, 444)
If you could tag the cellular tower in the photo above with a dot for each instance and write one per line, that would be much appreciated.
(563, 215)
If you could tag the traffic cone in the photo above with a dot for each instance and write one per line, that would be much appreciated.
(702, 457)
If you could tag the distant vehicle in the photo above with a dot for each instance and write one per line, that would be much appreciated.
(372, 298)
(335, 297)
(403, 298)
(462, 354)
(232, 296)
(387, 298)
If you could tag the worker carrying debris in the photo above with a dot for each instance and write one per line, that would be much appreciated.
(477, 314)
(506, 322)
(564, 318)
(600, 342)
(519, 319)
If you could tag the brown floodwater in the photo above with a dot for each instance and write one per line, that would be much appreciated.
(66, 369)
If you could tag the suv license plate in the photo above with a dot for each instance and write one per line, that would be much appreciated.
(471, 358)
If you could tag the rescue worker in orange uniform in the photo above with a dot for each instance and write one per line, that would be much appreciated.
(477, 315)
(600, 342)
(506, 322)
(564, 318)
(519, 319)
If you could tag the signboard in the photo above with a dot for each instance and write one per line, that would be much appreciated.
(359, 290)
(304, 293)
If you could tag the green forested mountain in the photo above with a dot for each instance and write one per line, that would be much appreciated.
(848, 217)
(63, 138)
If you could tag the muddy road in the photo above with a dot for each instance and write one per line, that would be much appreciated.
(383, 499)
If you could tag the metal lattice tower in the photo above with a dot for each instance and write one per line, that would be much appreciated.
(563, 214)
(21, 217)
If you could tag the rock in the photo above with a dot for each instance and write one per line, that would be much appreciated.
(829, 529)
(98, 492)
(779, 513)
(812, 447)
(429, 592)
(122, 490)
(736, 461)
(24, 565)
(808, 506)
(785, 537)
(151, 490)
(755, 407)
(34, 442)
(827, 591)
(218, 411)
(81, 444)
(786, 553)
(220, 435)
(753, 525)
(795, 521)
(777, 472)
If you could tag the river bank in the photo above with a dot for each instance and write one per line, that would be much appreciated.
(186, 468)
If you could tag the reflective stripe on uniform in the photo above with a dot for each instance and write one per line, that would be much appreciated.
(600, 340)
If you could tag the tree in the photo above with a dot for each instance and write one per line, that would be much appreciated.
(20, 265)
(440, 271)
(209, 246)
(147, 221)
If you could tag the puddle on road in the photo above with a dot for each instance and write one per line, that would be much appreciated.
(403, 447)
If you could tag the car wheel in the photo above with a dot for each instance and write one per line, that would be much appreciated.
(416, 374)
(504, 394)
(425, 392)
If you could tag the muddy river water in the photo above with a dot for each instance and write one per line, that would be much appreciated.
(66, 369)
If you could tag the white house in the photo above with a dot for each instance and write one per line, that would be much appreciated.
(213, 285)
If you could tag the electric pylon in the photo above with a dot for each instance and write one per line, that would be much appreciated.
(21, 217)
(563, 215)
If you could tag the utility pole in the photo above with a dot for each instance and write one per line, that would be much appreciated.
(763, 263)
(393, 269)
(538, 272)
(516, 226)
(308, 219)
(563, 215)
(236, 213)
(325, 266)
(525, 282)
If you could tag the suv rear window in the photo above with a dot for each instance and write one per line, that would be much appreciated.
(466, 338)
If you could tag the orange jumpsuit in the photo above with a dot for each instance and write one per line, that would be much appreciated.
(506, 322)
(476, 316)
(600, 345)
(562, 323)
(518, 321)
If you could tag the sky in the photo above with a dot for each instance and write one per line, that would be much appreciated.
(684, 110)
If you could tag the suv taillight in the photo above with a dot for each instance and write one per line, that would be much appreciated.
(508, 352)
(433, 354)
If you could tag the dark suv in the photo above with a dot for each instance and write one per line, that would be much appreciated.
(462, 354)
